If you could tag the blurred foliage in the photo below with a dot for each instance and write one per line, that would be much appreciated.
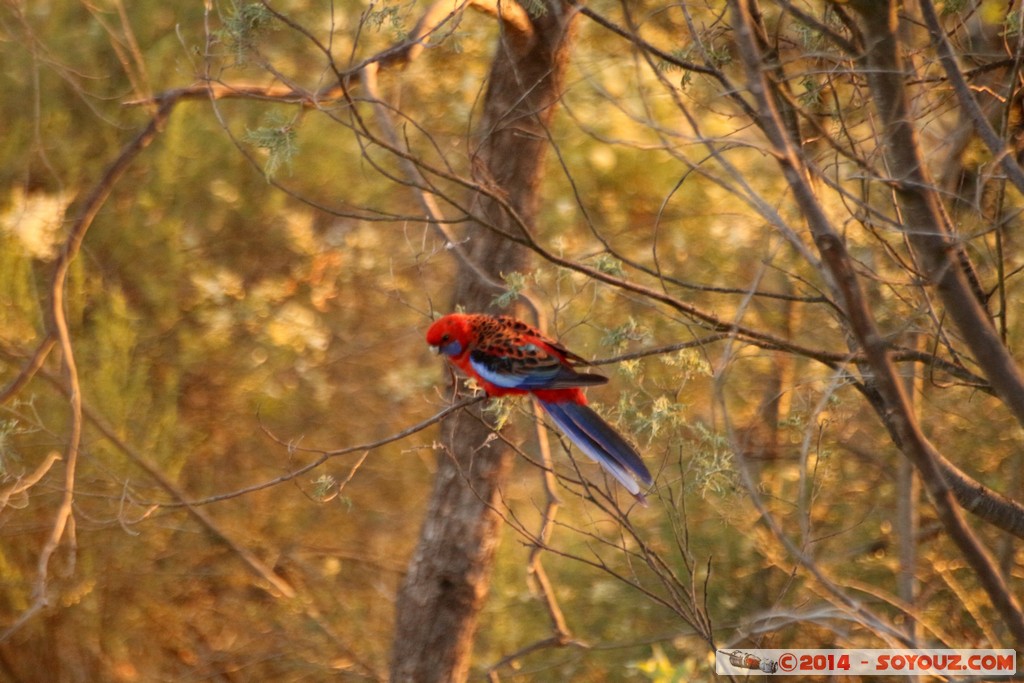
(257, 286)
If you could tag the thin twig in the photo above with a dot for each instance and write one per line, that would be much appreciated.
(325, 455)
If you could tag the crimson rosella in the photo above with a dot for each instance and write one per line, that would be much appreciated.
(507, 356)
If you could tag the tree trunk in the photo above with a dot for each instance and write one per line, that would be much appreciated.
(449, 574)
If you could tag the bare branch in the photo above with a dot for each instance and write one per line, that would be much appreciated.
(59, 333)
(29, 368)
(23, 484)
(325, 455)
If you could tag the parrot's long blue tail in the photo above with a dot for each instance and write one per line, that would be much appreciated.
(602, 443)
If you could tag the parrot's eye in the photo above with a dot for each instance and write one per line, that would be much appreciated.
(445, 337)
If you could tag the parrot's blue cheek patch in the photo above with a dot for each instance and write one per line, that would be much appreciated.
(452, 348)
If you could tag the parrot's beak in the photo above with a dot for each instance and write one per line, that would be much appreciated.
(435, 350)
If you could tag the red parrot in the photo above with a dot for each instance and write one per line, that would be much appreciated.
(507, 356)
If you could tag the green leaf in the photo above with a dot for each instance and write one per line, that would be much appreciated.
(278, 140)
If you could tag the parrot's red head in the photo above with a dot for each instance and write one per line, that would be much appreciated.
(450, 334)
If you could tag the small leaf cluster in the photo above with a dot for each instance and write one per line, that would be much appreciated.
(278, 139)
(243, 26)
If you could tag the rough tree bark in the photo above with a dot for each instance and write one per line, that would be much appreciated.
(449, 574)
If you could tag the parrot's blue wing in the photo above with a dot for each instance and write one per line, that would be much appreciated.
(528, 367)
